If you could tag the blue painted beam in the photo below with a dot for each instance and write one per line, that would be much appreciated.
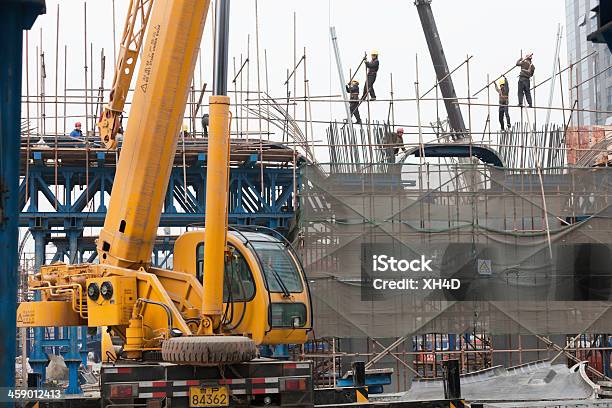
(82, 204)
(38, 358)
(374, 381)
(56, 342)
(96, 219)
(248, 205)
(15, 16)
(73, 361)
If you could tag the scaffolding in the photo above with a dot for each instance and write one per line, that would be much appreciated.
(543, 236)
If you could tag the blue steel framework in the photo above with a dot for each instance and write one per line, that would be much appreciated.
(69, 342)
(80, 201)
(16, 16)
(61, 196)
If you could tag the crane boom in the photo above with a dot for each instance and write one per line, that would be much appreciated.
(160, 96)
(134, 29)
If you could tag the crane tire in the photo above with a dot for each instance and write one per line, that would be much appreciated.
(208, 350)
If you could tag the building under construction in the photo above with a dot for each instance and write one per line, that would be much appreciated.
(514, 226)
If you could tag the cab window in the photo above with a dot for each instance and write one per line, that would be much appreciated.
(278, 265)
(238, 280)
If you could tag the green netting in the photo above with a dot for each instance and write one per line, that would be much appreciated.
(533, 248)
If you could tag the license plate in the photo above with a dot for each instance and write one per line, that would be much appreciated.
(208, 396)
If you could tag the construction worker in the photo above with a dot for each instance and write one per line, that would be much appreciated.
(399, 141)
(393, 142)
(185, 130)
(503, 90)
(77, 130)
(353, 89)
(205, 123)
(524, 85)
(372, 66)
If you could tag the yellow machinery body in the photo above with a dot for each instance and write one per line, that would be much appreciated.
(156, 301)
(112, 307)
(253, 285)
(259, 308)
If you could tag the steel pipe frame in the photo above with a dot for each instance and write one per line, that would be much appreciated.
(248, 205)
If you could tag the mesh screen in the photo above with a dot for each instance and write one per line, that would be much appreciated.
(532, 248)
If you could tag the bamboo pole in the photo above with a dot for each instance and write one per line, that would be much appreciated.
(294, 63)
(236, 100)
(489, 108)
(261, 165)
(248, 82)
(65, 80)
(86, 103)
(114, 38)
(306, 105)
(56, 62)
(27, 71)
(267, 91)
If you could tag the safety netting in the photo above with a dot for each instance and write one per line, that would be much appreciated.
(509, 251)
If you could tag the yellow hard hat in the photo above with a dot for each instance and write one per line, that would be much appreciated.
(374, 52)
(354, 81)
(185, 127)
(502, 81)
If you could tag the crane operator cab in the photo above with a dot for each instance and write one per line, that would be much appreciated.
(265, 293)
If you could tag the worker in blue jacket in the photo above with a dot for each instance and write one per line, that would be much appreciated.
(77, 130)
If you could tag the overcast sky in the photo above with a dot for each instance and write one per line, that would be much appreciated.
(494, 32)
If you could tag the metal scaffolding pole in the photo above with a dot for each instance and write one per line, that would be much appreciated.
(554, 73)
(334, 39)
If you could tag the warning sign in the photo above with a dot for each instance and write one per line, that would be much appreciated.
(484, 267)
(25, 316)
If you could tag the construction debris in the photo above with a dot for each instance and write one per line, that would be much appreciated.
(57, 369)
(533, 382)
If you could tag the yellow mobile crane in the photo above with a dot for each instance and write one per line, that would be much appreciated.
(228, 292)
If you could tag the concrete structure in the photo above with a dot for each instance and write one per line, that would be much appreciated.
(594, 94)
